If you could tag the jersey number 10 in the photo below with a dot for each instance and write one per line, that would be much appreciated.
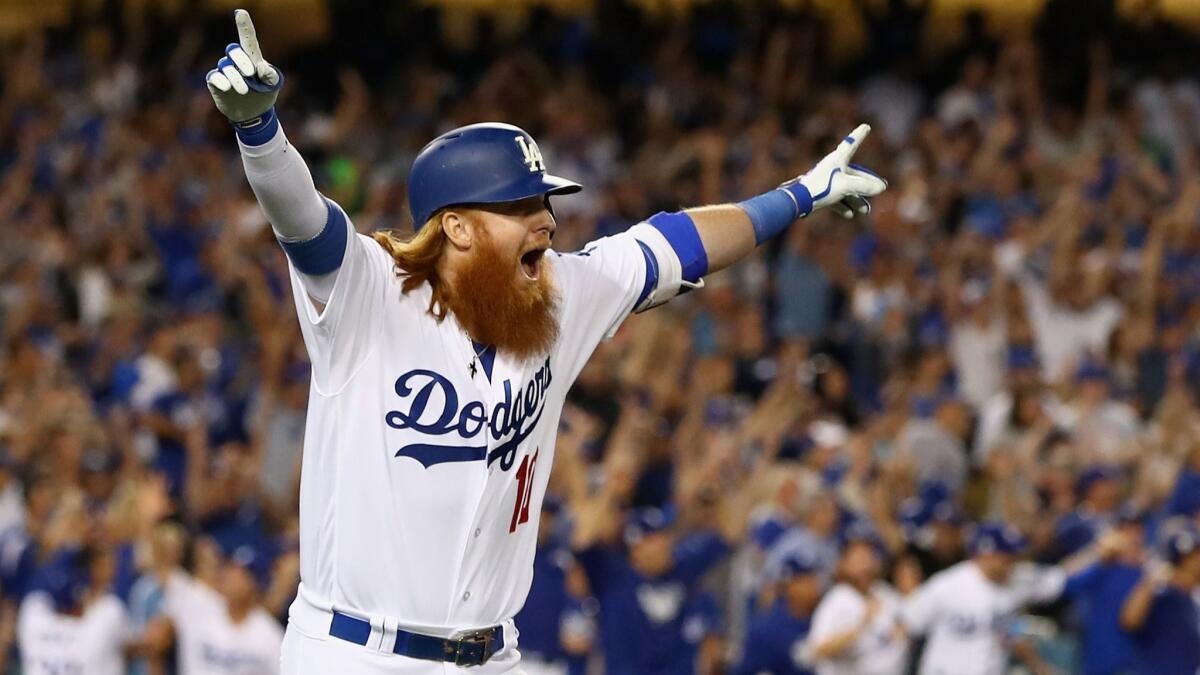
(524, 490)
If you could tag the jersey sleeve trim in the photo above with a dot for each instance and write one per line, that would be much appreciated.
(664, 272)
(651, 274)
(323, 253)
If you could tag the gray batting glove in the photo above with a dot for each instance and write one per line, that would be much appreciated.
(244, 85)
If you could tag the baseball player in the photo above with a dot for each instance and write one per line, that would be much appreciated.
(440, 363)
(970, 612)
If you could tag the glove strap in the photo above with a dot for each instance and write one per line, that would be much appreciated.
(257, 130)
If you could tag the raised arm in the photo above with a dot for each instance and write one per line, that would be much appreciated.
(1137, 604)
(311, 229)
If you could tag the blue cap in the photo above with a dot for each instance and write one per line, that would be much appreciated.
(796, 563)
(766, 532)
(1130, 514)
(1091, 371)
(646, 521)
(861, 531)
(986, 218)
(933, 330)
(67, 585)
(997, 537)
(795, 446)
(1180, 542)
(1021, 356)
(913, 513)
(99, 461)
(933, 492)
(488, 163)
(917, 513)
(923, 407)
(946, 512)
(1095, 474)
(255, 560)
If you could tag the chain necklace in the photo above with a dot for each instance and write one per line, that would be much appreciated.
(474, 365)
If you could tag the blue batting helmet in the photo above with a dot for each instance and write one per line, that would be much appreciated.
(486, 163)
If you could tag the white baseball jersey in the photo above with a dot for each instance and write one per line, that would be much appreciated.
(58, 644)
(209, 642)
(422, 483)
(967, 617)
(881, 648)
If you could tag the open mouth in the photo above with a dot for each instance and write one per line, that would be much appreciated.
(531, 263)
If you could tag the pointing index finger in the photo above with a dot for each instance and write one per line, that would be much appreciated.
(247, 37)
(850, 144)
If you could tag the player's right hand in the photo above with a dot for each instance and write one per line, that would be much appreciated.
(244, 85)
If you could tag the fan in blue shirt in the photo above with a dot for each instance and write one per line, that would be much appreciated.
(648, 590)
(775, 638)
(555, 628)
(1099, 591)
(1099, 490)
(1160, 615)
(1185, 498)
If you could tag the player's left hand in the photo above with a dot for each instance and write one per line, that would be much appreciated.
(836, 183)
(244, 85)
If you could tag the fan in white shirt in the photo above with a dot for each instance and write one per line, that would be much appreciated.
(71, 624)
(855, 629)
(223, 631)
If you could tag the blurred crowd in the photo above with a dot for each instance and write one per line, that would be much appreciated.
(790, 471)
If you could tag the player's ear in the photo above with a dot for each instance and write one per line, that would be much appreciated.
(457, 228)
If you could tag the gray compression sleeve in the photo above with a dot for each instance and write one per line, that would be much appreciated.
(284, 188)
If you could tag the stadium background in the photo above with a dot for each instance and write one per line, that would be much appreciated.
(1011, 334)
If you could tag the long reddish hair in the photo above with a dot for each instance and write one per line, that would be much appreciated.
(416, 258)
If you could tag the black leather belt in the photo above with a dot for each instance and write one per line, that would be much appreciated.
(472, 649)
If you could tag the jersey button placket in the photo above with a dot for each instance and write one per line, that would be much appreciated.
(466, 596)
(477, 531)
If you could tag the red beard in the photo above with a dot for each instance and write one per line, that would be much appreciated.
(518, 319)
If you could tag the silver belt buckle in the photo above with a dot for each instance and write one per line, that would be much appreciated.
(483, 637)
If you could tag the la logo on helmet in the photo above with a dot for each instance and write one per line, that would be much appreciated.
(533, 156)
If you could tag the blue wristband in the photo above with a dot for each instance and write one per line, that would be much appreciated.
(258, 130)
(772, 212)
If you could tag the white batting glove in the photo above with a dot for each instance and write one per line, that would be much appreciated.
(835, 182)
(244, 85)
